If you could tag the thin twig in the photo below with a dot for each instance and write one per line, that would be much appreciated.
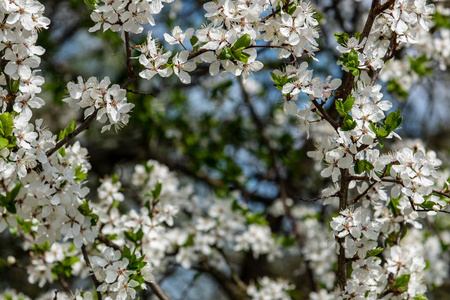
(140, 93)
(325, 115)
(88, 263)
(317, 198)
(70, 136)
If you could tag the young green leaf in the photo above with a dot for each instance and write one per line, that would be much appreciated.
(242, 43)
(402, 281)
(349, 124)
(7, 124)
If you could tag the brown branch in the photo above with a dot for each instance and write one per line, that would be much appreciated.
(197, 53)
(362, 194)
(128, 51)
(140, 93)
(11, 96)
(88, 263)
(325, 115)
(234, 274)
(367, 178)
(318, 198)
(385, 6)
(342, 263)
(441, 193)
(70, 136)
(232, 289)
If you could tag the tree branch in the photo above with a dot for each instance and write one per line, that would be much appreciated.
(88, 263)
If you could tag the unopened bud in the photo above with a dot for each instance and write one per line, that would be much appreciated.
(11, 260)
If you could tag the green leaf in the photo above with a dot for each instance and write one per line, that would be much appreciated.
(353, 58)
(91, 3)
(393, 121)
(7, 201)
(420, 297)
(157, 191)
(134, 237)
(362, 165)
(256, 219)
(72, 126)
(342, 38)
(402, 281)
(3, 143)
(348, 124)
(340, 107)
(241, 56)
(7, 124)
(79, 174)
(344, 108)
(348, 104)
(420, 65)
(374, 252)
(286, 241)
(68, 130)
(225, 54)
(62, 151)
(194, 41)
(14, 85)
(15, 191)
(126, 253)
(394, 87)
(242, 43)
(393, 205)
(382, 132)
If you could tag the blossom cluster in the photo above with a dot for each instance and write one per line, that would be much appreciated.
(229, 39)
(269, 289)
(108, 102)
(44, 195)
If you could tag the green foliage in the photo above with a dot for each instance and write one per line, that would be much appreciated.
(348, 123)
(236, 51)
(392, 122)
(258, 219)
(374, 252)
(394, 87)
(79, 174)
(441, 21)
(420, 65)
(135, 263)
(194, 41)
(85, 210)
(64, 266)
(14, 86)
(91, 3)
(134, 237)
(7, 200)
(350, 61)
(6, 129)
(362, 165)
(280, 81)
(344, 108)
(401, 283)
(285, 241)
(342, 38)
(68, 130)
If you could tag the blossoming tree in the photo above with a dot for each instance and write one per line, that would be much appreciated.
(368, 235)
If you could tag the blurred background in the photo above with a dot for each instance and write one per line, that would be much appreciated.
(221, 133)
